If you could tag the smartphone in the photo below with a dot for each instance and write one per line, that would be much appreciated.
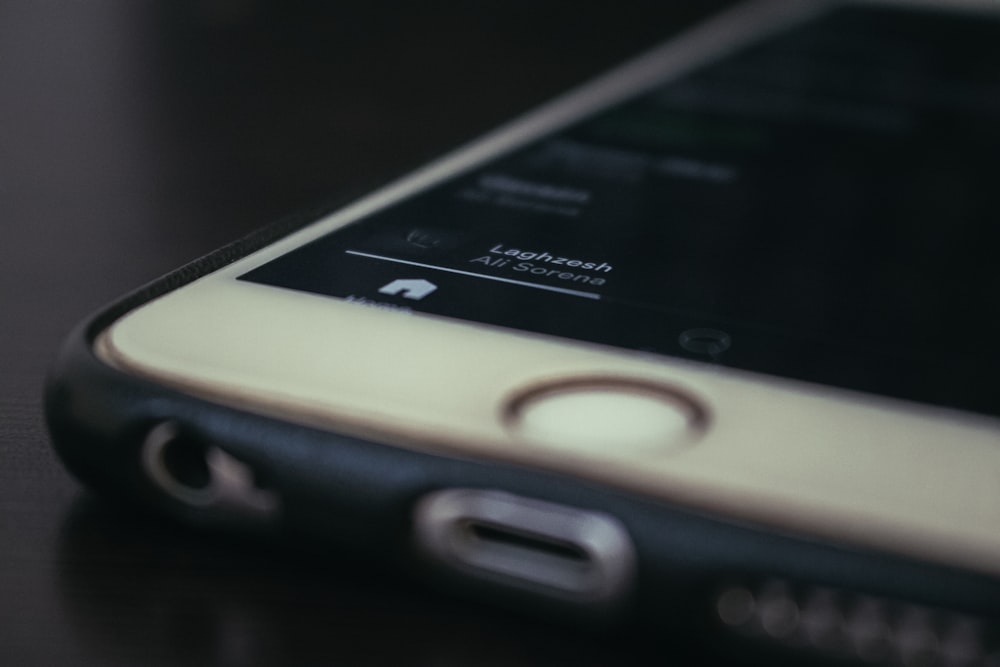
(709, 343)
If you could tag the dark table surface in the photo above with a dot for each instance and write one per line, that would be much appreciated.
(136, 135)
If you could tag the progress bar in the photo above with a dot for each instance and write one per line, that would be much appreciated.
(548, 288)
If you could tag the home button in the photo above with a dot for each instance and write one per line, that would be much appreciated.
(606, 414)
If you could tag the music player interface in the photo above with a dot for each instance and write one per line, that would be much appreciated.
(812, 207)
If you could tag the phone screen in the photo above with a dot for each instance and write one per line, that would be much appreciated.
(821, 205)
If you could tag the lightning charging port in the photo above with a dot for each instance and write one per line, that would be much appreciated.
(505, 538)
(549, 549)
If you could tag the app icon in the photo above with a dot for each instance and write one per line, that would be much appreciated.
(711, 342)
(412, 288)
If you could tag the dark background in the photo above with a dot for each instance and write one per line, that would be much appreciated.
(136, 135)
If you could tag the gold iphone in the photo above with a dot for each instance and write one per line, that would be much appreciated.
(712, 338)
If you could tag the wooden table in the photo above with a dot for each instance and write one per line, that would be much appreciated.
(136, 135)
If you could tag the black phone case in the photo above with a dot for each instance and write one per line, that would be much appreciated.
(351, 495)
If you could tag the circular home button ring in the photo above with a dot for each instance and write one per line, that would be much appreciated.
(600, 415)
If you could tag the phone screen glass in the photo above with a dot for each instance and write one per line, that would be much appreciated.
(820, 205)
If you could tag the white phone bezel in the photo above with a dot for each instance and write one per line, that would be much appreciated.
(802, 458)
